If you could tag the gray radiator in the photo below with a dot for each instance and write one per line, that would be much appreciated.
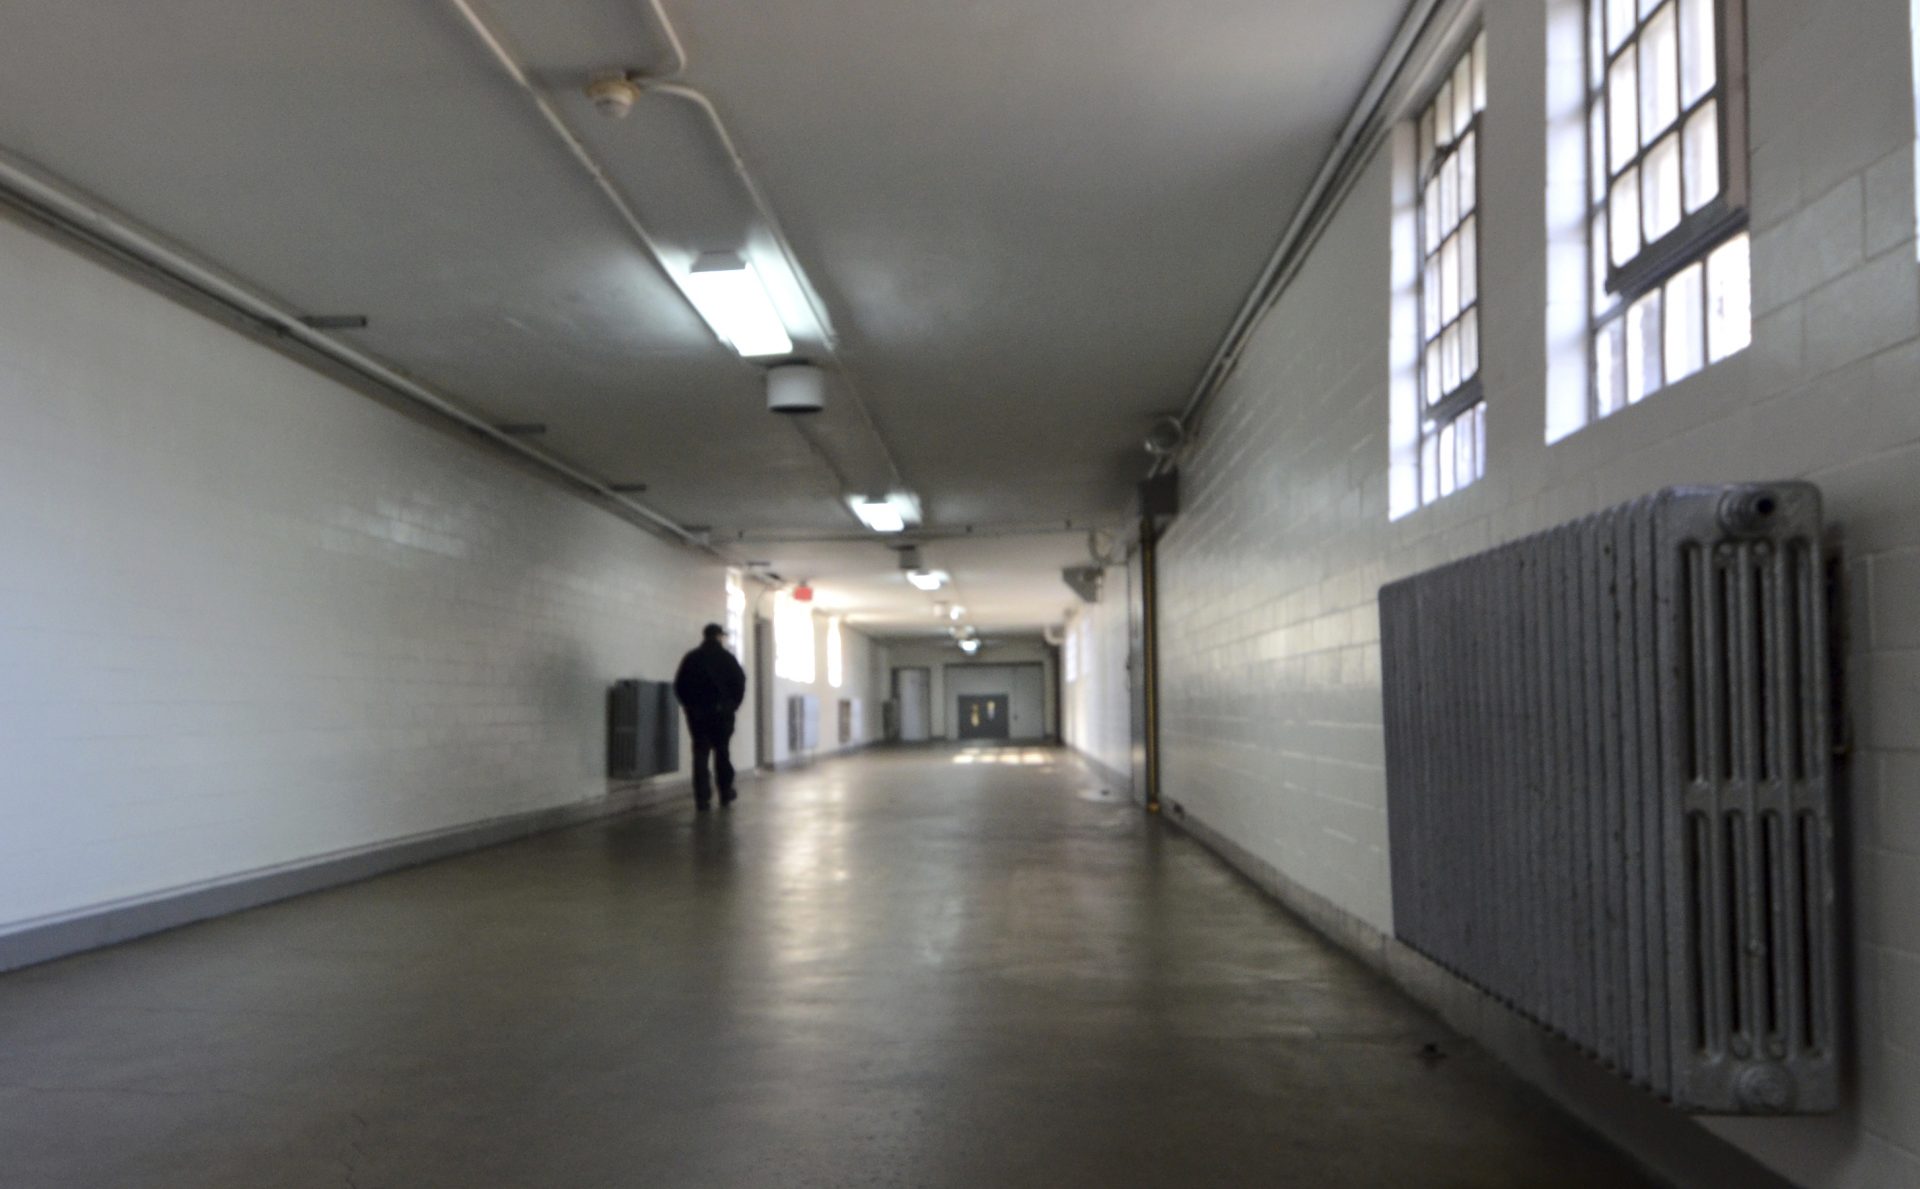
(1610, 789)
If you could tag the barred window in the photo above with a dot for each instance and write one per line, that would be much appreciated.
(1666, 135)
(1453, 414)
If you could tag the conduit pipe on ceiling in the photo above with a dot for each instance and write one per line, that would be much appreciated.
(36, 194)
(1358, 137)
(667, 84)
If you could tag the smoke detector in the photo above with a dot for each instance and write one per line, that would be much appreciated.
(613, 95)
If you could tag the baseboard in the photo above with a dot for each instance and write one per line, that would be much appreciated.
(1669, 1145)
(813, 757)
(47, 938)
(1121, 781)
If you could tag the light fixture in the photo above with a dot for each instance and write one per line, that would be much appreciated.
(970, 645)
(878, 515)
(927, 580)
(889, 513)
(956, 611)
(730, 295)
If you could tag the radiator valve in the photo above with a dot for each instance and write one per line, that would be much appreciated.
(1765, 1088)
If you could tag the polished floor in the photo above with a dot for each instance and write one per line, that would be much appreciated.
(913, 969)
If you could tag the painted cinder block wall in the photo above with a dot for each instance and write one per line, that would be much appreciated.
(941, 658)
(865, 677)
(249, 617)
(1271, 665)
(1096, 704)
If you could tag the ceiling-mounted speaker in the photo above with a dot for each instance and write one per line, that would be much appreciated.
(796, 388)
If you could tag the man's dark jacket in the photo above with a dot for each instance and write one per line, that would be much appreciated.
(710, 681)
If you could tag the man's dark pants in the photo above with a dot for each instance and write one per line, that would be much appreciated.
(711, 731)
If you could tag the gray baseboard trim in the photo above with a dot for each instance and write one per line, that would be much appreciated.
(1670, 1146)
(1122, 782)
(99, 925)
(808, 759)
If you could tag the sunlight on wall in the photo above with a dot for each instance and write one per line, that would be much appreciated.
(736, 615)
(793, 639)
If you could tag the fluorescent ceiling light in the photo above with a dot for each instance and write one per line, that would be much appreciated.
(969, 646)
(888, 513)
(733, 299)
(879, 515)
(927, 580)
(956, 612)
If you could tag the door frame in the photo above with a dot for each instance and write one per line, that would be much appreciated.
(926, 708)
(763, 693)
(1003, 701)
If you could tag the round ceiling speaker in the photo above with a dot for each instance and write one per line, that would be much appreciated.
(796, 388)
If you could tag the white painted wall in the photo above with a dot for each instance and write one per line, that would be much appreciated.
(249, 617)
(866, 678)
(1271, 660)
(1024, 686)
(1095, 714)
(938, 657)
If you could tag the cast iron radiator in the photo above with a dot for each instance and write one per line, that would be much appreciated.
(1610, 789)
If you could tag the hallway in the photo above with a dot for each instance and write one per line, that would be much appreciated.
(906, 968)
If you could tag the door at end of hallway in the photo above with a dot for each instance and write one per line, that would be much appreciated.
(985, 716)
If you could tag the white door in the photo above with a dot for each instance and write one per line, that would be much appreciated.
(915, 695)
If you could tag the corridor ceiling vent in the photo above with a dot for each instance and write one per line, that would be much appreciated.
(796, 388)
(890, 513)
(728, 292)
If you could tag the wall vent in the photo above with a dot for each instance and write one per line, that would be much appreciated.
(1610, 789)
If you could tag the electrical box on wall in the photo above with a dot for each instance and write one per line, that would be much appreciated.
(643, 730)
(803, 723)
(1160, 496)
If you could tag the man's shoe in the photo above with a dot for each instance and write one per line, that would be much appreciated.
(727, 799)
(702, 806)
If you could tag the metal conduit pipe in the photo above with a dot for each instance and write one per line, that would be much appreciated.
(52, 203)
(496, 46)
(667, 84)
(1150, 654)
(1358, 138)
(739, 164)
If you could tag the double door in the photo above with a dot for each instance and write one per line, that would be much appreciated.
(985, 716)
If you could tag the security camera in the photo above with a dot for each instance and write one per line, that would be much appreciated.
(613, 95)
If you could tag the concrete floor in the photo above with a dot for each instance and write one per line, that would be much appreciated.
(889, 970)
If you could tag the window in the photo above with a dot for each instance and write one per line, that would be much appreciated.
(1667, 149)
(736, 614)
(793, 639)
(836, 659)
(1453, 414)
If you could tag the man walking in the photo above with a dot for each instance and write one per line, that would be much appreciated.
(710, 686)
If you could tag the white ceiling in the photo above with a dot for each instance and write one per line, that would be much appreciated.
(1029, 223)
(1005, 585)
